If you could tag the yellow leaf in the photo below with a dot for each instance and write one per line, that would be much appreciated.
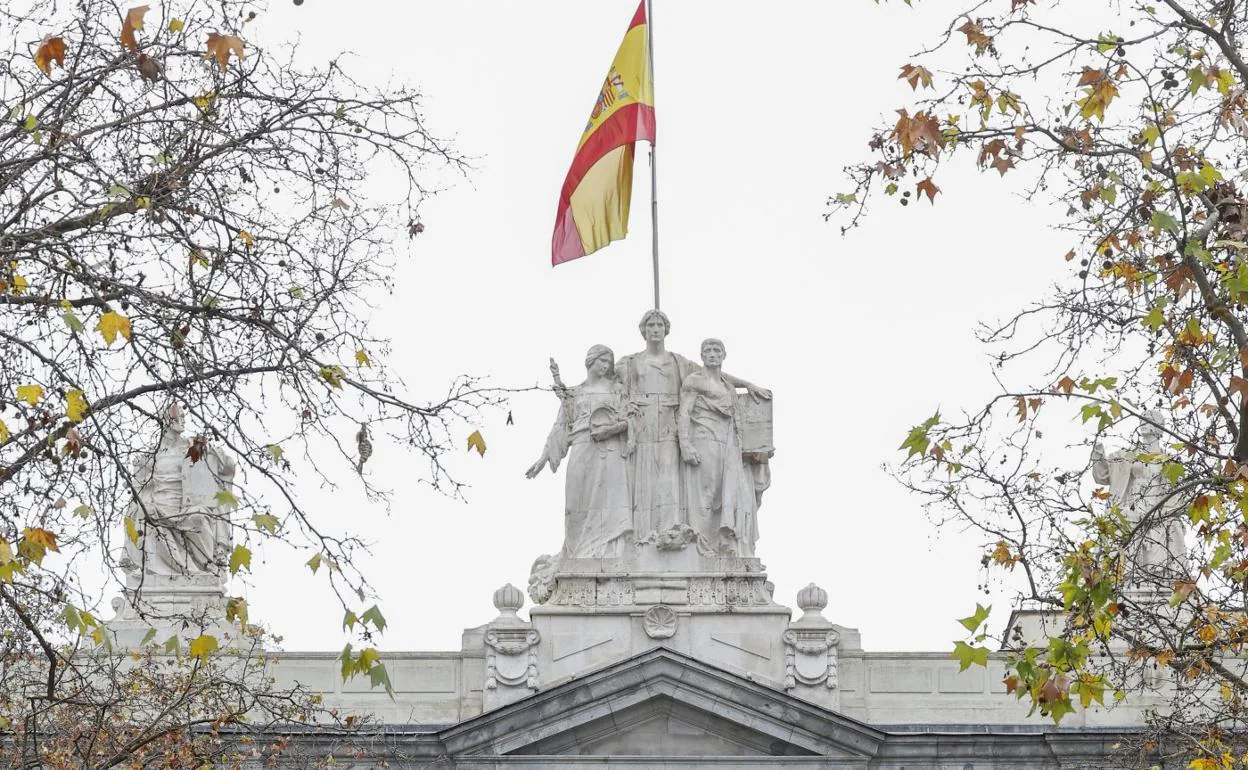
(19, 284)
(205, 101)
(204, 645)
(132, 531)
(362, 359)
(76, 405)
(4, 432)
(6, 552)
(245, 237)
(476, 441)
(111, 324)
(176, 25)
(30, 393)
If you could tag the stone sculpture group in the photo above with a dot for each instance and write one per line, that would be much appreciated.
(655, 452)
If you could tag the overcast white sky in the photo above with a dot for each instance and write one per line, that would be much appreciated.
(759, 106)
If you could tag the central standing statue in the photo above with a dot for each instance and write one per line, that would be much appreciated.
(652, 380)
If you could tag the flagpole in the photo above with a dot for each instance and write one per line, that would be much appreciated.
(654, 183)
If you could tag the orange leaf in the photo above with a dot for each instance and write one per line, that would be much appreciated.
(1066, 385)
(1239, 385)
(52, 49)
(132, 22)
(928, 188)
(1090, 76)
(219, 47)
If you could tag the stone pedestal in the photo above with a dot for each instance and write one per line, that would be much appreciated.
(181, 605)
(718, 608)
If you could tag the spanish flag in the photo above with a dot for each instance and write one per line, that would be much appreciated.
(593, 206)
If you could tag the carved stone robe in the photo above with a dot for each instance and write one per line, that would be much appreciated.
(719, 490)
(652, 386)
(598, 520)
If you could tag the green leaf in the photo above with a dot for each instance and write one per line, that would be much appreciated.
(173, 645)
(379, 677)
(314, 563)
(72, 619)
(967, 655)
(973, 622)
(240, 558)
(30, 123)
(274, 451)
(226, 499)
(148, 637)
(348, 665)
(83, 511)
(72, 321)
(917, 441)
(373, 615)
(349, 620)
(1173, 472)
(1162, 220)
(266, 522)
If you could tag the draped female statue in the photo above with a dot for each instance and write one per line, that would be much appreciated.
(591, 431)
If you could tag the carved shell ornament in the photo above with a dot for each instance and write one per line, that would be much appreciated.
(659, 622)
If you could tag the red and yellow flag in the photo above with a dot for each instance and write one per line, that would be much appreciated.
(593, 206)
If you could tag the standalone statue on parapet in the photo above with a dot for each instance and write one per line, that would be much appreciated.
(184, 530)
(1147, 501)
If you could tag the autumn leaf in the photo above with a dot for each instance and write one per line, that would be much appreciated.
(132, 530)
(1066, 385)
(35, 544)
(927, 187)
(1090, 76)
(4, 432)
(916, 76)
(111, 324)
(220, 46)
(362, 359)
(30, 393)
(332, 375)
(477, 441)
(176, 25)
(1097, 98)
(240, 557)
(236, 610)
(204, 645)
(75, 405)
(52, 49)
(131, 23)
(248, 241)
(314, 563)
(975, 35)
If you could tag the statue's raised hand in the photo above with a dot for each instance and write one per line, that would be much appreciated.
(536, 467)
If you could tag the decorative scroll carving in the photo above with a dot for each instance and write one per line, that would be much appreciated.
(512, 657)
(810, 658)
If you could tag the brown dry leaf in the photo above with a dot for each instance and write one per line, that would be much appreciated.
(1239, 385)
(916, 75)
(132, 22)
(1066, 384)
(52, 49)
(928, 188)
(149, 68)
(975, 35)
(219, 47)
(339, 203)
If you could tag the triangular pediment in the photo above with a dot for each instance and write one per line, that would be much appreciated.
(662, 703)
